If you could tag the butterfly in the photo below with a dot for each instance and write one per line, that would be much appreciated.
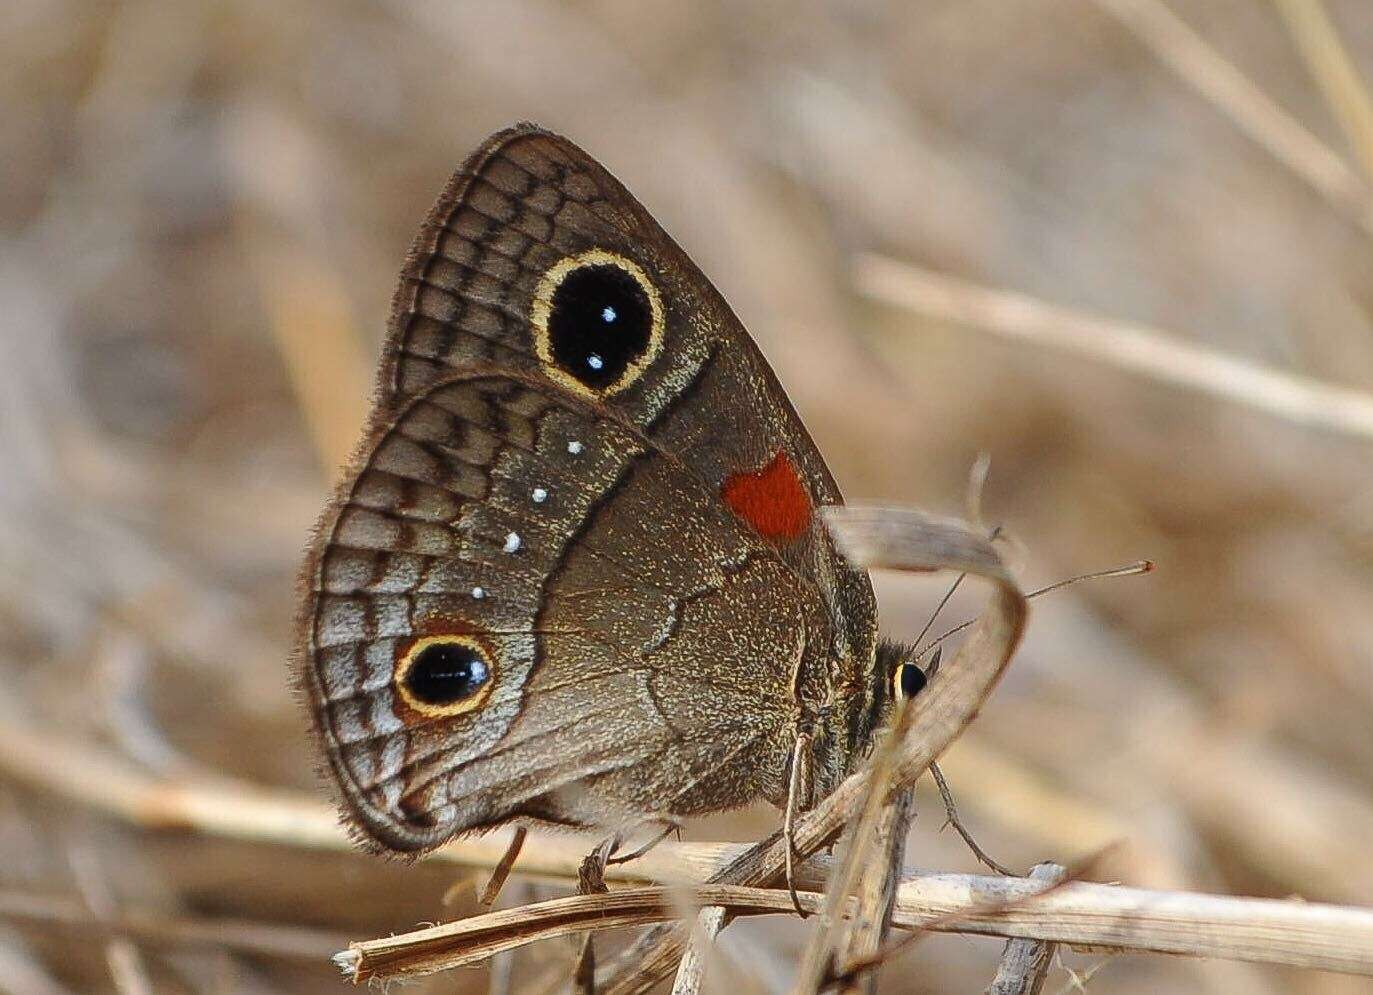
(575, 573)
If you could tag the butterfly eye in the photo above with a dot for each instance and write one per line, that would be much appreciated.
(445, 675)
(908, 680)
(598, 322)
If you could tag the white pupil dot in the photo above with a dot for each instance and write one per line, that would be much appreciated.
(608, 314)
(594, 361)
(512, 542)
(539, 495)
(574, 447)
(478, 593)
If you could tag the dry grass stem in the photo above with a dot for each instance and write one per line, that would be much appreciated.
(1334, 72)
(1126, 346)
(584, 967)
(1216, 79)
(260, 939)
(862, 843)
(128, 971)
(1329, 937)
(316, 335)
(876, 900)
(691, 971)
(1025, 963)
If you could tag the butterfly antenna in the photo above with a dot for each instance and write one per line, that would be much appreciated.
(977, 481)
(1129, 570)
(992, 536)
(945, 793)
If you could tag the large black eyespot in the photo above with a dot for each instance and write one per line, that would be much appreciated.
(598, 322)
(909, 680)
(445, 675)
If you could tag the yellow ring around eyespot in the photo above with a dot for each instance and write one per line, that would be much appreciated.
(542, 310)
(457, 707)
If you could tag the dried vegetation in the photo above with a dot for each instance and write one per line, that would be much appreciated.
(1121, 246)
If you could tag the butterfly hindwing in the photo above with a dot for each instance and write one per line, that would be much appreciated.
(591, 575)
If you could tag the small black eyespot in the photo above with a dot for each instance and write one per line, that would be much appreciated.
(600, 322)
(911, 680)
(444, 673)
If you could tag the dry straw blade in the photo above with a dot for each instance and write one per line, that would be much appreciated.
(1334, 71)
(1085, 914)
(871, 864)
(869, 873)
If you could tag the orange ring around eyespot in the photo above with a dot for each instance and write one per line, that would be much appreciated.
(542, 309)
(473, 703)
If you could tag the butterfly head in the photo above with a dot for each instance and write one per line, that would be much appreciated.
(898, 674)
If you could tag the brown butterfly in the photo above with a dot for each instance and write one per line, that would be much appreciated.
(576, 574)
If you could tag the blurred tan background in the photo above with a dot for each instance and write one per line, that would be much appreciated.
(203, 210)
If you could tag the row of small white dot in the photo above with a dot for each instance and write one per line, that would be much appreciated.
(539, 495)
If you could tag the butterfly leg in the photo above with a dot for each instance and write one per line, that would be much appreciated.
(503, 867)
(591, 875)
(952, 819)
(667, 826)
(798, 788)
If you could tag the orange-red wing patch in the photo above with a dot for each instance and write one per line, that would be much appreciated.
(772, 500)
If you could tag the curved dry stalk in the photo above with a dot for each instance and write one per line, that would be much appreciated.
(900, 539)
(876, 899)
